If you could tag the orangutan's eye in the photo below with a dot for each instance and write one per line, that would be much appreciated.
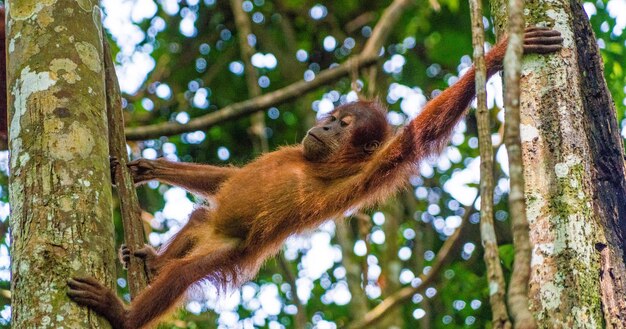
(371, 146)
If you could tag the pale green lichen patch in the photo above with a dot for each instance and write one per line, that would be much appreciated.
(487, 229)
(584, 315)
(89, 55)
(76, 142)
(97, 20)
(12, 41)
(493, 288)
(84, 5)
(560, 18)
(24, 157)
(540, 252)
(16, 147)
(26, 85)
(534, 206)
(66, 203)
(562, 169)
(44, 18)
(24, 268)
(25, 9)
(528, 133)
(551, 294)
(66, 69)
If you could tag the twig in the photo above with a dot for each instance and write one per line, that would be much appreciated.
(443, 257)
(368, 57)
(364, 225)
(423, 237)
(257, 128)
(358, 305)
(518, 286)
(381, 31)
(301, 316)
(131, 213)
(495, 277)
(359, 22)
(236, 110)
(435, 4)
(389, 279)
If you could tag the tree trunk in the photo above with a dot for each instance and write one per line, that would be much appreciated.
(358, 304)
(59, 186)
(575, 180)
(391, 265)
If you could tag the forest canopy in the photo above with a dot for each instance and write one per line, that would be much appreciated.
(178, 61)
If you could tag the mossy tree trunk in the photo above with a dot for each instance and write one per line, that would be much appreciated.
(575, 180)
(60, 189)
(395, 212)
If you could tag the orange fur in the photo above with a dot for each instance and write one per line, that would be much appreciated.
(286, 192)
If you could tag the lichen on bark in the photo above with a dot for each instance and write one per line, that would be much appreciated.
(60, 193)
(569, 143)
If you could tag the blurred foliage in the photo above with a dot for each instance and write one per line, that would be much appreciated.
(198, 70)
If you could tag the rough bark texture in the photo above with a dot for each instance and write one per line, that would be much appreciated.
(517, 297)
(137, 274)
(573, 165)
(607, 172)
(495, 277)
(60, 190)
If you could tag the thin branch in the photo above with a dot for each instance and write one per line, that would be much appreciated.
(131, 213)
(364, 226)
(257, 128)
(518, 286)
(301, 316)
(391, 265)
(290, 40)
(423, 237)
(368, 57)
(371, 81)
(358, 304)
(359, 22)
(495, 277)
(443, 257)
(236, 110)
(381, 31)
(435, 5)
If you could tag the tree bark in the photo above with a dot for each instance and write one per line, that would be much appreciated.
(60, 189)
(517, 294)
(575, 180)
(391, 264)
(358, 304)
(137, 275)
(495, 276)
